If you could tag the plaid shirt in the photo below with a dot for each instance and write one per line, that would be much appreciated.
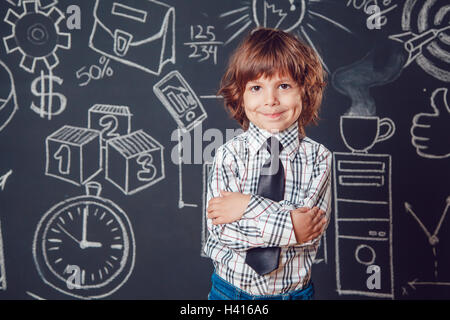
(267, 223)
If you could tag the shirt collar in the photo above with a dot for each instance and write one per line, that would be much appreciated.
(289, 138)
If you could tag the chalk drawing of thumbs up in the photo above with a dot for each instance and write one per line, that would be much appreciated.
(430, 132)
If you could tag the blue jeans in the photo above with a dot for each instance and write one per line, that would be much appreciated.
(222, 290)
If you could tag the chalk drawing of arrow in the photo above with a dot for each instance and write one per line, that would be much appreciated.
(408, 208)
(432, 238)
(443, 216)
(415, 283)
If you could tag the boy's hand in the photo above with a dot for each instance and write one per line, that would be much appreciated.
(228, 208)
(308, 223)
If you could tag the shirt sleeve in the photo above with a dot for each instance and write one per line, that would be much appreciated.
(319, 189)
(265, 223)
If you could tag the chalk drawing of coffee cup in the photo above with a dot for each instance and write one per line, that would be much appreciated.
(361, 133)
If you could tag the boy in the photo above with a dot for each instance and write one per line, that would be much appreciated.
(269, 190)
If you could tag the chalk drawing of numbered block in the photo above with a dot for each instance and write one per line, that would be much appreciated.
(134, 162)
(73, 154)
(180, 100)
(112, 121)
(140, 34)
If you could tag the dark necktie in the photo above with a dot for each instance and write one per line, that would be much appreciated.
(271, 186)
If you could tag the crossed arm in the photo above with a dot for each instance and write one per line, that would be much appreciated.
(242, 221)
(230, 206)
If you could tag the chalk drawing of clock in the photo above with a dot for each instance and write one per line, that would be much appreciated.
(84, 246)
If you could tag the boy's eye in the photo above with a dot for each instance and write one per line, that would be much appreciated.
(284, 86)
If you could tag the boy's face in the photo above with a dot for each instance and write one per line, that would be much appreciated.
(272, 104)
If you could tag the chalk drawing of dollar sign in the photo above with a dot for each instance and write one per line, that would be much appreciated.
(46, 106)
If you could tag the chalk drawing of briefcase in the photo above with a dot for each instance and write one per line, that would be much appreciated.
(137, 33)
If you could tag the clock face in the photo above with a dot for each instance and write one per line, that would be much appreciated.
(85, 246)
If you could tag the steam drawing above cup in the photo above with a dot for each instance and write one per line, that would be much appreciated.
(382, 65)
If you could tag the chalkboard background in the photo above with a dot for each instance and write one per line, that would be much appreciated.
(70, 74)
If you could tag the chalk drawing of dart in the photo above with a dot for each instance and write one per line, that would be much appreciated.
(414, 43)
(425, 36)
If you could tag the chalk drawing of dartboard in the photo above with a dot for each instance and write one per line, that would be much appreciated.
(423, 17)
(84, 246)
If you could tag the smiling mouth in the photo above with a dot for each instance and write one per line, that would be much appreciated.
(273, 115)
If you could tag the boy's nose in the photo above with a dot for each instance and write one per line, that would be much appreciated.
(271, 98)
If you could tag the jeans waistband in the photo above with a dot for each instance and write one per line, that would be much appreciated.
(228, 291)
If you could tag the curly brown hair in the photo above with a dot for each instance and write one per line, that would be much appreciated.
(267, 52)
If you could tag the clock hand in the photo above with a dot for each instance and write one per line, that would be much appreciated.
(83, 233)
(84, 243)
(90, 244)
(71, 236)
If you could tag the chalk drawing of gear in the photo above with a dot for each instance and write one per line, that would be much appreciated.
(43, 4)
(36, 35)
